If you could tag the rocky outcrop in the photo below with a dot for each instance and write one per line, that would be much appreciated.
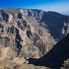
(3, 16)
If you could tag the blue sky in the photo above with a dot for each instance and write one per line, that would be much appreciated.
(47, 5)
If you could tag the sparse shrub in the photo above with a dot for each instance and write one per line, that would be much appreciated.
(5, 67)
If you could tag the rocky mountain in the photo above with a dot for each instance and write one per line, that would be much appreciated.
(29, 33)
(57, 57)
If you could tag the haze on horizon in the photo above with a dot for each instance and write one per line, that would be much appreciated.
(46, 5)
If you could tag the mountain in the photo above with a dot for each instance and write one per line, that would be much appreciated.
(56, 56)
(29, 33)
(65, 13)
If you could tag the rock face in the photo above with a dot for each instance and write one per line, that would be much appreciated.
(52, 21)
(56, 56)
(29, 33)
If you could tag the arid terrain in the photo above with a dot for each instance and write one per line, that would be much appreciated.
(29, 33)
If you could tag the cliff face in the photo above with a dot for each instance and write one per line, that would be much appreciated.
(52, 21)
(29, 33)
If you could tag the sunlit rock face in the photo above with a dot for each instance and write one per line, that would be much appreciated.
(29, 33)
(52, 21)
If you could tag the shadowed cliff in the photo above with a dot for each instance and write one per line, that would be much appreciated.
(55, 57)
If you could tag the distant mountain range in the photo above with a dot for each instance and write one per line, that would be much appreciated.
(65, 13)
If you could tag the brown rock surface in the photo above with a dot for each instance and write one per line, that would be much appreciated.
(24, 35)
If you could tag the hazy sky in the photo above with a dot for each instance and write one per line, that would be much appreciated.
(47, 5)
